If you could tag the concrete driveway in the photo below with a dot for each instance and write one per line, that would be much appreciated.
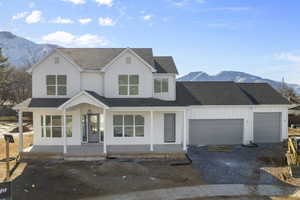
(242, 165)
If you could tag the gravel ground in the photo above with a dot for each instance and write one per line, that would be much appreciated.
(240, 166)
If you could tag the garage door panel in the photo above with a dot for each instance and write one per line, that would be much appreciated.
(216, 131)
(267, 127)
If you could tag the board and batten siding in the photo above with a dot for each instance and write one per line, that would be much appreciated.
(48, 67)
(111, 77)
(92, 81)
(238, 112)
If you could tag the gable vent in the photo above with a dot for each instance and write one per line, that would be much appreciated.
(128, 60)
(56, 60)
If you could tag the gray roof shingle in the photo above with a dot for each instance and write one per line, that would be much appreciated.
(190, 93)
(262, 93)
(97, 58)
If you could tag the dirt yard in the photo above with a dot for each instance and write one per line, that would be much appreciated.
(75, 180)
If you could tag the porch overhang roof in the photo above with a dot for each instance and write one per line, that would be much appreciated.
(83, 97)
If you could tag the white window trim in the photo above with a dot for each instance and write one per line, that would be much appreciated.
(56, 85)
(128, 85)
(123, 126)
(161, 86)
(44, 127)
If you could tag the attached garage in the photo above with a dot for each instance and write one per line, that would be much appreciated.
(267, 127)
(215, 131)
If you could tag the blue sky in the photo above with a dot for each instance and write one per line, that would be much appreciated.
(254, 36)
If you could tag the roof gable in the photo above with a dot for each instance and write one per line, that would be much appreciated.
(68, 59)
(150, 66)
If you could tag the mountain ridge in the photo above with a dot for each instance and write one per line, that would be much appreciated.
(22, 53)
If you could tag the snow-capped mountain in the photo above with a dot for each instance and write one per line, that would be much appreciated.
(22, 52)
(236, 77)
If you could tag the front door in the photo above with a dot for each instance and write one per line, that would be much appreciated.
(93, 128)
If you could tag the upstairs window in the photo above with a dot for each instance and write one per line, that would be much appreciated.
(161, 85)
(56, 85)
(128, 85)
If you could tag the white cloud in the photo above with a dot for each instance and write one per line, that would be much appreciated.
(31, 4)
(148, 17)
(106, 21)
(34, 17)
(108, 3)
(288, 56)
(75, 1)
(84, 20)
(19, 15)
(68, 39)
(60, 20)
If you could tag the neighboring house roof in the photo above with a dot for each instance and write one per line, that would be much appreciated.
(98, 58)
(189, 93)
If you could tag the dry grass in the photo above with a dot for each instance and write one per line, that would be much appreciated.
(294, 131)
(14, 150)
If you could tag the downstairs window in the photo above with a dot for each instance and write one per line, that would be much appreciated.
(52, 126)
(128, 125)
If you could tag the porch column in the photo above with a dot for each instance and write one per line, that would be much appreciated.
(184, 130)
(104, 131)
(151, 130)
(20, 118)
(65, 131)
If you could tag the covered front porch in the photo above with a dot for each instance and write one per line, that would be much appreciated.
(86, 125)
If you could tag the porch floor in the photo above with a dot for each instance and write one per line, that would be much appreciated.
(96, 150)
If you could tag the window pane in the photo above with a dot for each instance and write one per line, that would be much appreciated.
(118, 120)
(48, 132)
(128, 131)
(69, 120)
(56, 131)
(50, 90)
(118, 131)
(134, 90)
(56, 120)
(165, 85)
(48, 120)
(123, 90)
(157, 86)
(139, 120)
(128, 120)
(134, 79)
(62, 80)
(61, 90)
(69, 131)
(42, 130)
(139, 131)
(51, 79)
(42, 120)
(123, 79)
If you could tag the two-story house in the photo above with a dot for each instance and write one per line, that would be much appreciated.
(127, 100)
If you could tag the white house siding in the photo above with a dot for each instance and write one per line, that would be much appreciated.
(48, 67)
(120, 67)
(158, 132)
(92, 81)
(76, 131)
(171, 94)
(238, 112)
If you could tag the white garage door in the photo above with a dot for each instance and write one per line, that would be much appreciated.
(267, 127)
(215, 131)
